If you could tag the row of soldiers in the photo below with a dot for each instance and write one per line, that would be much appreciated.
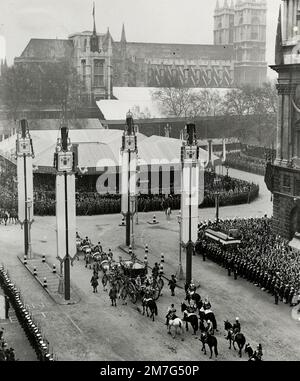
(254, 273)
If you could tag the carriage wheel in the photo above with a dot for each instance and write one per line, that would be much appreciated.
(156, 292)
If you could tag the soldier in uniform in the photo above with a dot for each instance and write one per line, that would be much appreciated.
(286, 293)
(272, 286)
(229, 264)
(237, 325)
(276, 291)
(235, 269)
(281, 291)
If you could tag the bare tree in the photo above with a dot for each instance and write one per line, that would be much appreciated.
(53, 83)
(187, 102)
(174, 101)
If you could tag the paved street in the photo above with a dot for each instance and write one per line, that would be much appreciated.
(93, 330)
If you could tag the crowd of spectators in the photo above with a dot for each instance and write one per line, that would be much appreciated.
(251, 159)
(231, 191)
(262, 257)
(245, 163)
(6, 354)
(262, 153)
(89, 202)
(8, 187)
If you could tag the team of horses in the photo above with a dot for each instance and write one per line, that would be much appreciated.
(197, 317)
(197, 314)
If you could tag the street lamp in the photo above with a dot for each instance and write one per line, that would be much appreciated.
(217, 197)
(179, 273)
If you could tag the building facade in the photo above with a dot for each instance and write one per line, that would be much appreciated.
(237, 56)
(243, 26)
(283, 176)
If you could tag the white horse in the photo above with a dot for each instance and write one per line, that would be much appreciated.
(178, 326)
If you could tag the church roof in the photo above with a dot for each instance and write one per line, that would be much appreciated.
(48, 49)
(180, 51)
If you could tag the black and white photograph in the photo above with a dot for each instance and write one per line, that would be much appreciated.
(150, 184)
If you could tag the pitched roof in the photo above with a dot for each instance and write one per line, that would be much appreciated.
(99, 148)
(48, 48)
(180, 51)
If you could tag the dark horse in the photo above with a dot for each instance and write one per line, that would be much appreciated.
(211, 341)
(191, 318)
(234, 336)
(206, 315)
(151, 305)
(195, 297)
(249, 350)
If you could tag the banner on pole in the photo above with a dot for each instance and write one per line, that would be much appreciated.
(21, 187)
(61, 218)
(190, 202)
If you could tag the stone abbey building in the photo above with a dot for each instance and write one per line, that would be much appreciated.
(283, 176)
(236, 57)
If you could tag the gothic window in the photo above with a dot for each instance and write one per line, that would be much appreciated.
(231, 31)
(241, 21)
(297, 188)
(286, 181)
(84, 44)
(255, 28)
(98, 73)
(220, 38)
(239, 55)
(255, 55)
(220, 25)
(83, 70)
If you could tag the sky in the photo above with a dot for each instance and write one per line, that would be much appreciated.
(167, 21)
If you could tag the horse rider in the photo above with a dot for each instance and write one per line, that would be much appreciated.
(257, 355)
(192, 287)
(98, 247)
(210, 328)
(259, 352)
(138, 281)
(170, 313)
(237, 325)
(206, 304)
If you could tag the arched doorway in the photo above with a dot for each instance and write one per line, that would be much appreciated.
(294, 221)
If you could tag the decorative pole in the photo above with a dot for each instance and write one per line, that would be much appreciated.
(64, 163)
(190, 195)
(128, 178)
(179, 273)
(25, 154)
